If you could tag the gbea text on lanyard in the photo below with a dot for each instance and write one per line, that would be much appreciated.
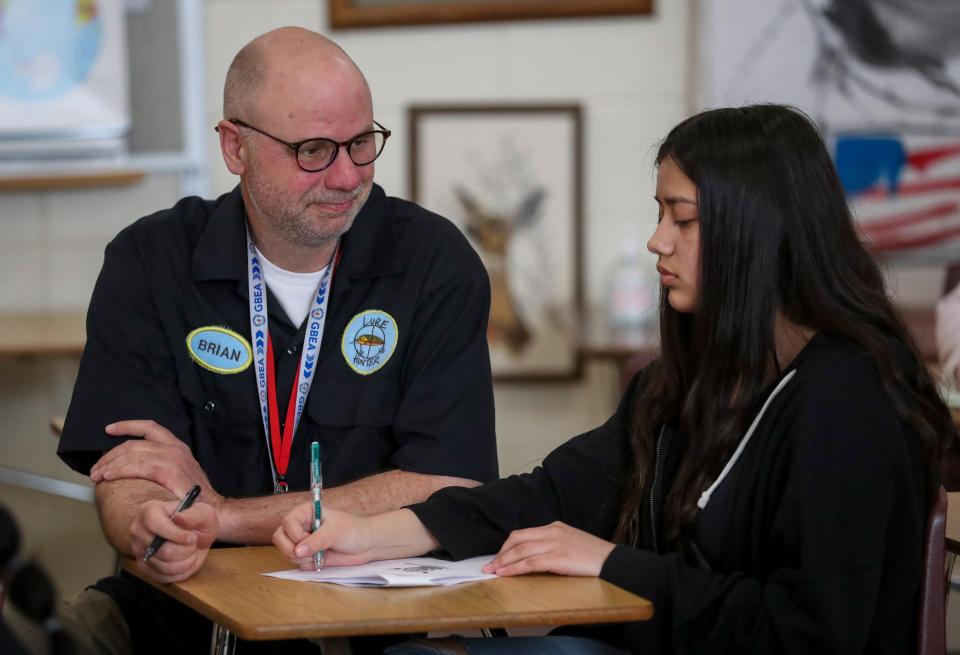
(280, 441)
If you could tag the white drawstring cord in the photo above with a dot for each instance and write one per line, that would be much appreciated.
(705, 496)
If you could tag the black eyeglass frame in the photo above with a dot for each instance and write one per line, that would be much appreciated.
(296, 145)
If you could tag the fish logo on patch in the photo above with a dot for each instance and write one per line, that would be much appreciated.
(219, 349)
(369, 341)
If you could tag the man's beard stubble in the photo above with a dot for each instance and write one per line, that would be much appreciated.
(294, 220)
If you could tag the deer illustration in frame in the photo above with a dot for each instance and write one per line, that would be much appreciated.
(509, 176)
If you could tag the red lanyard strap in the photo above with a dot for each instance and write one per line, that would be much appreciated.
(280, 441)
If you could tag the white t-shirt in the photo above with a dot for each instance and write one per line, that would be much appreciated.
(294, 291)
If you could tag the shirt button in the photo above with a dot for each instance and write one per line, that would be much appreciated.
(209, 406)
(292, 349)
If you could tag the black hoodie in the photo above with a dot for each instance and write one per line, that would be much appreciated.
(812, 543)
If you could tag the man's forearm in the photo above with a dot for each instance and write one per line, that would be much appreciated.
(118, 502)
(388, 491)
(252, 521)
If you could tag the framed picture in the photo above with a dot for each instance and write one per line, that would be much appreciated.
(509, 176)
(381, 13)
(892, 123)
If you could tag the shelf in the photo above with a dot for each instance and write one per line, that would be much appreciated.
(42, 333)
(70, 180)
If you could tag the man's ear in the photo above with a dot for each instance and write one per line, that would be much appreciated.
(232, 147)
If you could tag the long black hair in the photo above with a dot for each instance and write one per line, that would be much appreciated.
(776, 236)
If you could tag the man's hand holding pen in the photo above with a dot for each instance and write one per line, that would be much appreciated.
(188, 535)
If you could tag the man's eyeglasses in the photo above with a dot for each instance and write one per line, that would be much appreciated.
(318, 153)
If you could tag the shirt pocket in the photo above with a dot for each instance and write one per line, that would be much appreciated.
(221, 399)
(337, 403)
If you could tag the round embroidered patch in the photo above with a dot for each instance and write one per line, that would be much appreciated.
(369, 341)
(219, 349)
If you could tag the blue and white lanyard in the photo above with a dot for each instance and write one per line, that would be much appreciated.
(279, 445)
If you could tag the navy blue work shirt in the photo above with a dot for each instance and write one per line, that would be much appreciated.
(428, 409)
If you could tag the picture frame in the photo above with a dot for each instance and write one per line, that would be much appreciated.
(386, 13)
(510, 177)
(892, 131)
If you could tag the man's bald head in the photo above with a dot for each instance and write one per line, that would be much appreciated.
(285, 47)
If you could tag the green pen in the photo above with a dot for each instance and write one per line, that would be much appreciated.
(316, 486)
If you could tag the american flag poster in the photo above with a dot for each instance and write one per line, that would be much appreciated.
(882, 80)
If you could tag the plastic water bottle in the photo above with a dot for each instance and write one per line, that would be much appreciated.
(632, 301)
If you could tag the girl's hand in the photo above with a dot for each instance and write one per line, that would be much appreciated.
(555, 548)
(343, 537)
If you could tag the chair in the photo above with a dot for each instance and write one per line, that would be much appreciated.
(934, 586)
(950, 466)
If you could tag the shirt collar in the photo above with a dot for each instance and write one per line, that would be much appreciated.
(369, 248)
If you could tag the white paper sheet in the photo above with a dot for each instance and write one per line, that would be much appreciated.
(409, 572)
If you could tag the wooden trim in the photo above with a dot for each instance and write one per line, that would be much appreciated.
(416, 114)
(346, 13)
(53, 181)
(42, 333)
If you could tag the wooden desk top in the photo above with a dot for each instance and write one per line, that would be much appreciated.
(228, 590)
(42, 333)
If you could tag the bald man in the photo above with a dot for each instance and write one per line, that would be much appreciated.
(306, 305)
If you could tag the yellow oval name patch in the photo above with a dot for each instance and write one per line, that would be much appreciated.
(219, 349)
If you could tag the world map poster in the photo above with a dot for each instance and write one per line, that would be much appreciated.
(63, 78)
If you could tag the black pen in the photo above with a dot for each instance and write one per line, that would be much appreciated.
(184, 504)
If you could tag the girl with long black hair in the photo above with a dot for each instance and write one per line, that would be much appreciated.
(766, 481)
